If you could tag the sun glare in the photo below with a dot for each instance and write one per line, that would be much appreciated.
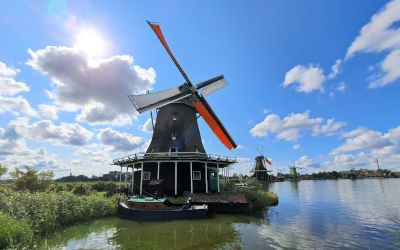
(90, 42)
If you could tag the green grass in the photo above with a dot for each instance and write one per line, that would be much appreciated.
(42, 213)
(14, 232)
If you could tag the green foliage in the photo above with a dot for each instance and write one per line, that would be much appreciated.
(259, 200)
(3, 170)
(14, 232)
(31, 179)
(82, 189)
(47, 211)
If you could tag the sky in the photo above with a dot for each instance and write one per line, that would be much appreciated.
(316, 83)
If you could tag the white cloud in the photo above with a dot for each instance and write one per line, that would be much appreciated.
(10, 87)
(92, 85)
(342, 87)
(330, 128)
(365, 140)
(7, 71)
(296, 146)
(147, 126)
(48, 111)
(15, 153)
(308, 79)
(335, 69)
(290, 127)
(305, 162)
(16, 105)
(267, 111)
(120, 141)
(45, 130)
(390, 68)
(381, 34)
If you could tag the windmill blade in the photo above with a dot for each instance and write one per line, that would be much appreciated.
(211, 85)
(267, 161)
(158, 99)
(204, 109)
(157, 30)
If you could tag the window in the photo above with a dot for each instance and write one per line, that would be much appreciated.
(196, 175)
(174, 116)
(213, 175)
(146, 176)
(173, 136)
(173, 149)
(196, 148)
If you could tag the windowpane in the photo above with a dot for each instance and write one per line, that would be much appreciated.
(146, 176)
(196, 175)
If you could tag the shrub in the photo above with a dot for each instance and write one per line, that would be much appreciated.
(82, 189)
(31, 179)
(13, 232)
(47, 211)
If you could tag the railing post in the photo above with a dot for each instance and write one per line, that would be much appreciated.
(158, 170)
(133, 177)
(191, 177)
(176, 178)
(141, 180)
(206, 177)
(218, 176)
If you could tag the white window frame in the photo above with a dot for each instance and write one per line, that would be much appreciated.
(198, 177)
(213, 173)
(173, 135)
(174, 116)
(148, 177)
(170, 150)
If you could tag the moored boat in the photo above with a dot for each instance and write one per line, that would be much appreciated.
(159, 209)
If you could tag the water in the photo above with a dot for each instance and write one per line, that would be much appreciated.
(353, 214)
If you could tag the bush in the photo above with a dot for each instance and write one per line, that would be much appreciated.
(13, 232)
(47, 211)
(32, 180)
(82, 189)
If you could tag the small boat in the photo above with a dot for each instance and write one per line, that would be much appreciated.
(159, 209)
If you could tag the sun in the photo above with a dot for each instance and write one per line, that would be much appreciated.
(90, 42)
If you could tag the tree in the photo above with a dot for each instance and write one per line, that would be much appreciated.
(3, 170)
(31, 179)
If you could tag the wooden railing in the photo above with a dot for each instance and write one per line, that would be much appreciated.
(159, 156)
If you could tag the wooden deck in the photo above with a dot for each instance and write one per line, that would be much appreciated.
(231, 203)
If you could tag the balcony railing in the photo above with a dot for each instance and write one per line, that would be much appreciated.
(160, 156)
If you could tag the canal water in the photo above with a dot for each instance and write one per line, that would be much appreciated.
(346, 214)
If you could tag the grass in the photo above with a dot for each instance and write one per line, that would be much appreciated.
(14, 232)
(42, 213)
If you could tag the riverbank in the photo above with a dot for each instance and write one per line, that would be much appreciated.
(27, 216)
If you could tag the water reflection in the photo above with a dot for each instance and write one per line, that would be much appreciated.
(310, 214)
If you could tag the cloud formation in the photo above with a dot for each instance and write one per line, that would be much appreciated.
(97, 87)
(308, 78)
(120, 141)
(69, 134)
(381, 34)
(290, 127)
(9, 87)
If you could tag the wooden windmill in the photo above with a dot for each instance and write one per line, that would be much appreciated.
(176, 159)
(185, 95)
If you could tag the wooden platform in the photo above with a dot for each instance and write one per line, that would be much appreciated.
(231, 203)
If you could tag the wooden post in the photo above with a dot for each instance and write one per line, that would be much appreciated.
(133, 177)
(120, 177)
(176, 178)
(158, 170)
(191, 177)
(126, 176)
(141, 180)
(218, 176)
(206, 177)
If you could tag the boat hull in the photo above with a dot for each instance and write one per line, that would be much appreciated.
(194, 212)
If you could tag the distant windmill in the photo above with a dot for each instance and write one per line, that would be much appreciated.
(260, 166)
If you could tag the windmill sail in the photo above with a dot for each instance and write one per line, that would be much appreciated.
(212, 85)
(214, 123)
(157, 29)
(158, 99)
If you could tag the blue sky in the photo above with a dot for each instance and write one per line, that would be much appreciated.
(316, 82)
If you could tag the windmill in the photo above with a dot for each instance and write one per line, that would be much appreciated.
(187, 93)
(260, 167)
(293, 170)
(176, 160)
